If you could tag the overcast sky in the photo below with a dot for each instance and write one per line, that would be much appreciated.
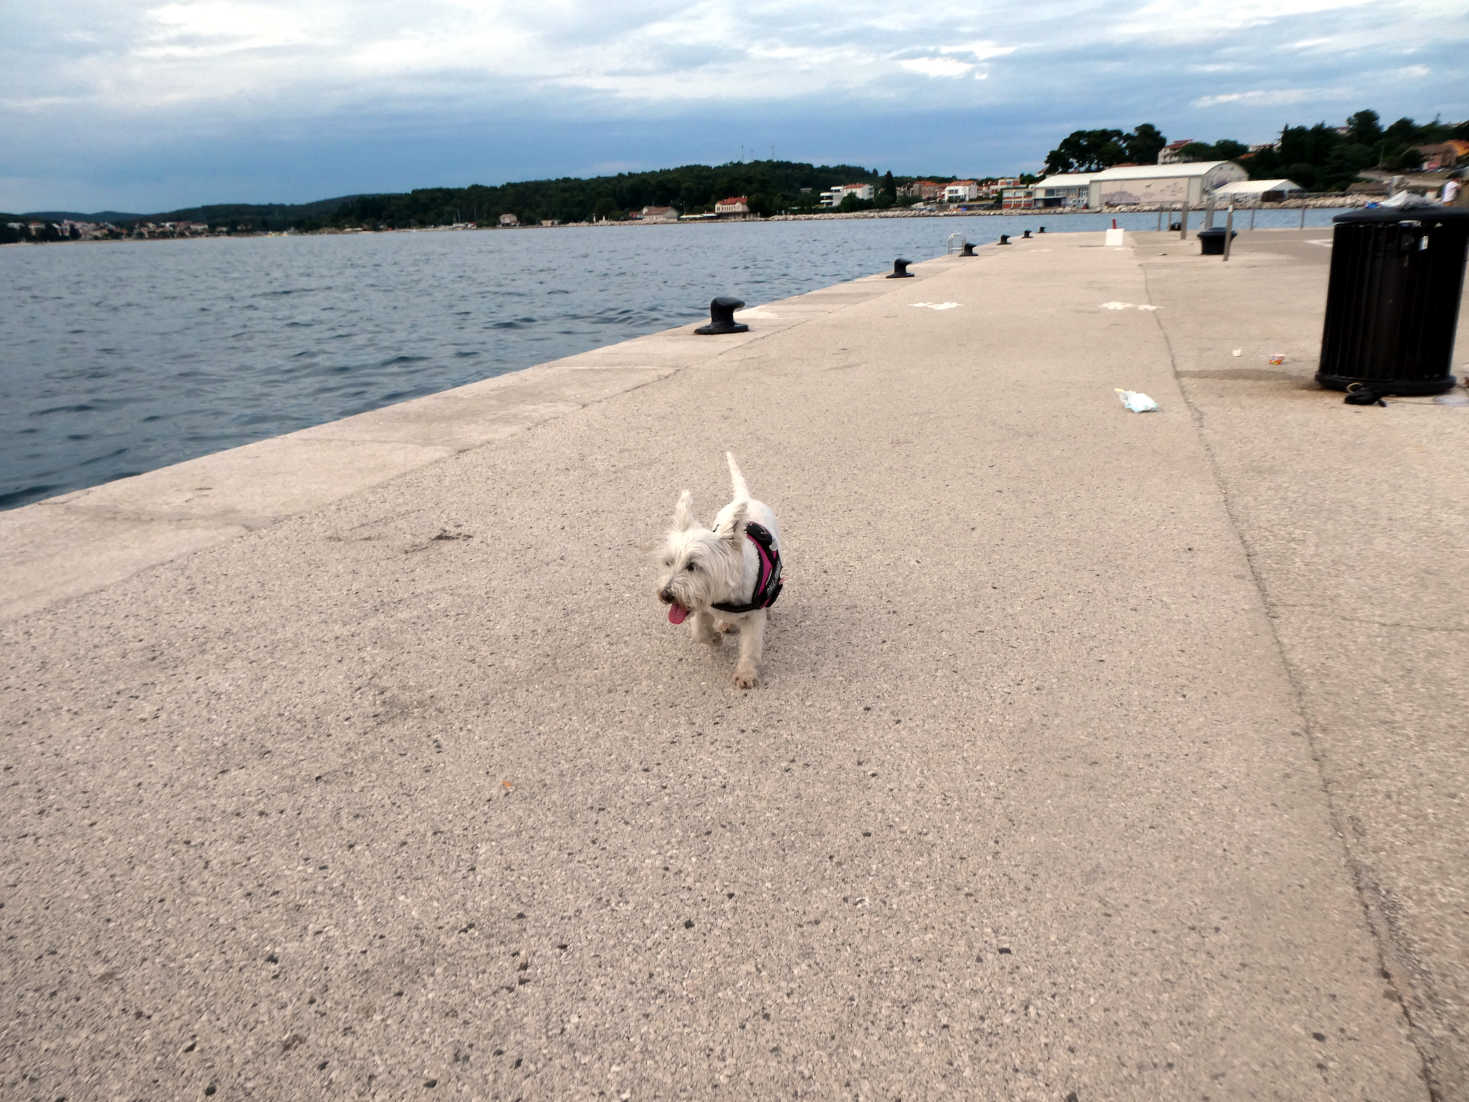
(146, 106)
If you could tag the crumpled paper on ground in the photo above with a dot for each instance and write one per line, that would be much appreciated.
(1136, 400)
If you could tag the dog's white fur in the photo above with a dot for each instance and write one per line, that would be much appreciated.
(701, 566)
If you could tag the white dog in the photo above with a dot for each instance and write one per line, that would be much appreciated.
(724, 578)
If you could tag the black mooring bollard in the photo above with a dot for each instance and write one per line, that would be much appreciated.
(1041, 230)
(968, 250)
(900, 270)
(1004, 239)
(1026, 235)
(721, 317)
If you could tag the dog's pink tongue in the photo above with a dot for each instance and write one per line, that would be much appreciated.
(677, 614)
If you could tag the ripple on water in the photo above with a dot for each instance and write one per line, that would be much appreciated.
(24, 495)
(77, 407)
(103, 458)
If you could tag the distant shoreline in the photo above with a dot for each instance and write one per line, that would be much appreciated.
(1315, 202)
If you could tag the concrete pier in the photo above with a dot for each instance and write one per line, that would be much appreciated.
(1097, 755)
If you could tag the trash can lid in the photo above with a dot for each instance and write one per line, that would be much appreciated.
(1422, 211)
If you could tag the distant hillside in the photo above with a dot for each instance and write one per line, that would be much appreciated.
(261, 216)
(770, 186)
(115, 216)
(255, 216)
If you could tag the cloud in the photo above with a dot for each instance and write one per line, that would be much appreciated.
(102, 88)
(937, 66)
(1268, 97)
(1183, 21)
(217, 27)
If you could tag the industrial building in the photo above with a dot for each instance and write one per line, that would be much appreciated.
(1257, 191)
(1190, 183)
(1064, 190)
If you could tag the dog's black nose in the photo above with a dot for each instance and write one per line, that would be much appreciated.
(665, 596)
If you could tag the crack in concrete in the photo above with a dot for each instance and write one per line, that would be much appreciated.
(1369, 894)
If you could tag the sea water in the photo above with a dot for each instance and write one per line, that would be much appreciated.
(121, 357)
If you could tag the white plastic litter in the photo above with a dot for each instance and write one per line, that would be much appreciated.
(1116, 306)
(936, 305)
(1136, 401)
(1407, 200)
(1238, 352)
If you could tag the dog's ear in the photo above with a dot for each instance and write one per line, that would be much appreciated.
(683, 513)
(737, 523)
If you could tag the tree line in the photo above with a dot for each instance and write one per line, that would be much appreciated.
(1319, 157)
(769, 186)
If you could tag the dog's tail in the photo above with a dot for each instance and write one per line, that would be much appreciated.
(737, 480)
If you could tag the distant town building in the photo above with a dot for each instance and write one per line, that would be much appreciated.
(961, 191)
(1064, 190)
(508, 220)
(658, 214)
(1444, 155)
(1168, 155)
(1256, 191)
(1017, 198)
(833, 196)
(735, 204)
(920, 189)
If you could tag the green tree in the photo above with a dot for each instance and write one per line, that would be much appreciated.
(1343, 164)
(1144, 144)
(1197, 151)
(1406, 159)
(763, 204)
(1264, 165)
(1402, 132)
(1364, 128)
(1303, 173)
(1087, 151)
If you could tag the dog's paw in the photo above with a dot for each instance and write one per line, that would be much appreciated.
(745, 677)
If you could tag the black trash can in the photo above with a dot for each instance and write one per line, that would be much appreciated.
(1211, 242)
(1392, 303)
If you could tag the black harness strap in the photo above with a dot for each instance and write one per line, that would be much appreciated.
(768, 585)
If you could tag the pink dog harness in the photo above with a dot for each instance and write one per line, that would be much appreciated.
(767, 588)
